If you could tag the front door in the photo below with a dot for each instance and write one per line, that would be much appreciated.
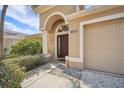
(62, 46)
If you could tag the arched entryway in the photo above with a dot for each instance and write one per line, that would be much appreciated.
(61, 41)
(56, 31)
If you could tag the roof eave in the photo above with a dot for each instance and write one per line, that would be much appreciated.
(92, 10)
(40, 9)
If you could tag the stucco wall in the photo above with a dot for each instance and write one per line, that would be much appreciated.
(51, 42)
(65, 9)
(76, 65)
(74, 25)
(74, 44)
(51, 37)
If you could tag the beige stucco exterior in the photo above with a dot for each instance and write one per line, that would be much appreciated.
(65, 9)
(75, 65)
(74, 44)
(82, 37)
(74, 25)
(51, 37)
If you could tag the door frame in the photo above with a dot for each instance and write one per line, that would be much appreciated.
(56, 34)
(60, 46)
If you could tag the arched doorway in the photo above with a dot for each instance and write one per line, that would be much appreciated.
(61, 41)
(57, 41)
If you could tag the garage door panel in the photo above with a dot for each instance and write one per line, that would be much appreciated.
(109, 52)
(121, 26)
(92, 66)
(121, 39)
(104, 46)
(107, 39)
(107, 27)
(91, 52)
(120, 68)
(109, 67)
(89, 62)
(100, 64)
(121, 52)
(104, 60)
(102, 53)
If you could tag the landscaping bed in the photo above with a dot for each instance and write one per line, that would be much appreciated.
(36, 65)
(13, 70)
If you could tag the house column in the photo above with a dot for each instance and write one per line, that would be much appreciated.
(45, 42)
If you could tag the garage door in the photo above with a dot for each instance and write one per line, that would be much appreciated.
(104, 46)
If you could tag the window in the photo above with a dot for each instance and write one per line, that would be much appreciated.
(63, 28)
(88, 6)
(82, 7)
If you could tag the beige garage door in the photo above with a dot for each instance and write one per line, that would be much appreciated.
(104, 46)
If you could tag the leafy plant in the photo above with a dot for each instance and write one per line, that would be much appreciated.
(27, 47)
(30, 62)
(11, 75)
(12, 70)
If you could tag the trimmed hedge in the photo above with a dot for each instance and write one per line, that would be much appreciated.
(30, 62)
(12, 70)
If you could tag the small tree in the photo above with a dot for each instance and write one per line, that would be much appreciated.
(27, 47)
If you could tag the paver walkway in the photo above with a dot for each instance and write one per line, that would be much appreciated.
(57, 75)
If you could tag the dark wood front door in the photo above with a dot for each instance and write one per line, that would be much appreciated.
(62, 46)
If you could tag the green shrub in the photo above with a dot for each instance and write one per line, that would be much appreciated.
(12, 70)
(11, 75)
(27, 47)
(30, 62)
(10, 56)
